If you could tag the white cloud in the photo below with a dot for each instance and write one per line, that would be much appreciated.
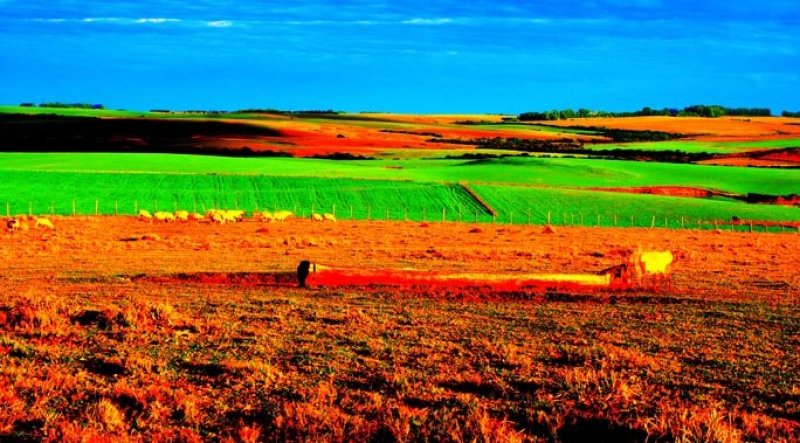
(220, 23)
(428, 21)
(157, 20)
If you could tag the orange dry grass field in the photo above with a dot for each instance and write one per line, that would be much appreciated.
(100, 337)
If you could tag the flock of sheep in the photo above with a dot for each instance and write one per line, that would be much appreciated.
(222, 216)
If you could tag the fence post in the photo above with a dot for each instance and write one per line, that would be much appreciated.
(73, 207)
(682, 225)
(116, 207)
(751, 226)
(565, 219)
(653, 222)
(369, 212)
(30, 208)
(598, 220)
(548, 217)
(97, 207)
(615, 220)
(529, 215)
(405, 213)
(387, 214)
(444, 211)
(494, 218)
(632, 222)
(333, 211)
(351, 212)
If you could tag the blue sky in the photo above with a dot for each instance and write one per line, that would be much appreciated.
(405, 56)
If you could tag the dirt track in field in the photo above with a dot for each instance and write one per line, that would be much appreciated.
(710, 265)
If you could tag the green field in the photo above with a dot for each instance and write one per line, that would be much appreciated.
(423, 189)
(569, 206)
(695, 146)
(110, 193)
(555, 172)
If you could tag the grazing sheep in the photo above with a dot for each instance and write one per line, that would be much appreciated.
(282, 215)
(316, 217)
(145, 215)
(196, 217)
(229, 218)
(164, 216)
(17, 224)
(41, 222)
(235, 215)
(182, 216)
(218, 218)
(263, 215)
(329, 217)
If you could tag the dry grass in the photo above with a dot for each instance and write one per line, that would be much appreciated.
(90, 352)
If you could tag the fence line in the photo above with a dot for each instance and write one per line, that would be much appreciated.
(448, 214)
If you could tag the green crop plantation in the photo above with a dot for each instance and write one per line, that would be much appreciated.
(413, 189)
(110, 193)
(695, 146)
(554, 172)
(577, 207)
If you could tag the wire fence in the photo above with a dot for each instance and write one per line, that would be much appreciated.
(98, 207)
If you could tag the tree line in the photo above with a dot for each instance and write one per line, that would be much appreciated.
(63, 105)
(710, 111)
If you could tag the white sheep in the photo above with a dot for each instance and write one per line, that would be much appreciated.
(316, 217)
(235, 215)
(145, 215)
(329, 217)
(263, 216)
(282, 215)
(164, 216)
(41, 222)
(182, 216)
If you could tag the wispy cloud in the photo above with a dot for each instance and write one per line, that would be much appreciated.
(428, 21)
(220, 23)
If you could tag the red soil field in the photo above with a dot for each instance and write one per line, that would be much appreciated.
(306, 138)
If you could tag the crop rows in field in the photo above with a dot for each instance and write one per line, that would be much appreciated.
(588, 208)
(112, 193)
(108, 193)
(556, 172)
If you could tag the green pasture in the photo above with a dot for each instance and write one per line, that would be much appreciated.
(116, 193)
(699, 146)
(553, 172)
(587, 208)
